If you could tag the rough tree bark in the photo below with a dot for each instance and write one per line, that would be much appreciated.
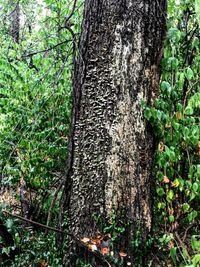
(15, 22)
(111, 145)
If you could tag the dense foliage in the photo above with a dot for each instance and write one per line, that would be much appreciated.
(35, 105)
(175, 120)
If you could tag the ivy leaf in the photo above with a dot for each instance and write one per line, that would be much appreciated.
(186, 206)
(170, 195)
(166, 87)
(189, 110)
(171, 218)
(196, 260)
(9, 223)
(195, 243)
(195, 187)
(176, 183)
(160, 191)
(189, 73)
(192, 215)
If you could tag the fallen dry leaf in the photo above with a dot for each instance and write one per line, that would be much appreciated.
(85, 240)
(166, 180)
(168, 125)
(105, 251)
(97, 240)
(42, 263)
(92, 247)
(122, 254)
(161, 147)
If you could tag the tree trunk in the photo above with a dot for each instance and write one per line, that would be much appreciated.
(111, 145)
(15, 22)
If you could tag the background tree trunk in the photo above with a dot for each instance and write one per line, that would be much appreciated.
(111, 145)
(15, 22)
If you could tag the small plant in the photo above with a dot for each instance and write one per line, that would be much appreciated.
(175, 121)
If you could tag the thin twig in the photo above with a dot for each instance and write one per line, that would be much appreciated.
(187, 229)
(46, 50)
(77, 240)
(33, 222)
(71, 14)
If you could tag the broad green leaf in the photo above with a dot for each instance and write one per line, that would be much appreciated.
(196, 260)
(192, 215)
(166, 87)
(189, 73)
(170, 195)
(197, 10)
(171, 218)
(160, 191)
(173, 255)
(195, 243)
(189, 110)
(195, 187)
(9, 223)
(186, 206)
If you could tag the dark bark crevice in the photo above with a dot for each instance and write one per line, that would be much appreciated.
(15, 22)
(111, 145)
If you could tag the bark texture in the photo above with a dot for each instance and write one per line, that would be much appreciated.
(15, 22)
(111, 145)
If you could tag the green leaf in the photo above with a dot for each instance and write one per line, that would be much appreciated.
(170, 195)
(174, 34)
(195, 187)
(161, 205)
(196, 260)
(173, 255)
(195, 243)
(166, 87)
(198, 169)
(186, 206)
(197, 10)
(192, 215)
(160, 191)
(189, 73)
(171, 218)
(147, 113)
(189, 110)
(170, 153)
(9, 223)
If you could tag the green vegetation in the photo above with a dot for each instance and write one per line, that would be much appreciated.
(175, 120)
(35, 106)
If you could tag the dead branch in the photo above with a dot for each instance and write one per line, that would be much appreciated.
(46, 50)
(77, 240)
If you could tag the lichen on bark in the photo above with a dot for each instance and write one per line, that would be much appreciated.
(111, 145)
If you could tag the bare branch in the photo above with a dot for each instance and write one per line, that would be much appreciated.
(77, 240)
(46, 50)
(32, 222)
(71, 14)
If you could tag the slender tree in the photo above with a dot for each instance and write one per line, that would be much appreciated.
(111, 145)
(15, 22)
